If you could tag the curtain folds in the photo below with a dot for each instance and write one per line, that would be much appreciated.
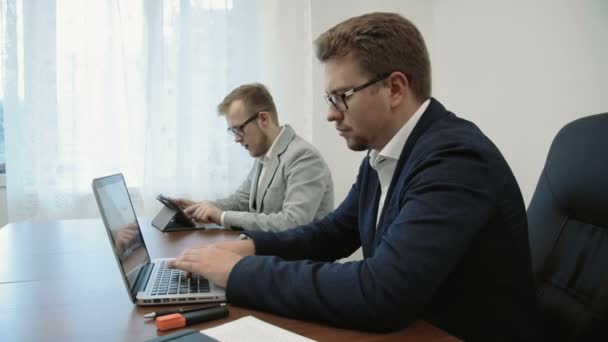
(99, 87)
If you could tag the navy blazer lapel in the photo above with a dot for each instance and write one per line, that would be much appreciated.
(370, 208)
(433, 112)
(270, 168)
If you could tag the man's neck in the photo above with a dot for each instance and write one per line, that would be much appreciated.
(271, 134)
(401, 116)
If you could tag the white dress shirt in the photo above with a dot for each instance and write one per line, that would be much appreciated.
(385, 161)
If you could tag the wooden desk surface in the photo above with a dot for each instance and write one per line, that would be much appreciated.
(59, 282)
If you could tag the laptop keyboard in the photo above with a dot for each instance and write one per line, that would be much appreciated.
(172, 281)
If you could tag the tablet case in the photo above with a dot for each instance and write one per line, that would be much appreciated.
(171, 218)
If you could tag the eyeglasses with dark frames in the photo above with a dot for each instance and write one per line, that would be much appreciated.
(338, 100)
(239, 130)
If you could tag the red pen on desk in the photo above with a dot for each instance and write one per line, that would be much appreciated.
(178, 320)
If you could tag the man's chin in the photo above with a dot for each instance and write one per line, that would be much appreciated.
(253, 154)
(356, 145)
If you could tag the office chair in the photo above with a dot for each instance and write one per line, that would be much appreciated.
(568, 224)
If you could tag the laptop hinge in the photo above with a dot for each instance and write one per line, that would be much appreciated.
(142, 279)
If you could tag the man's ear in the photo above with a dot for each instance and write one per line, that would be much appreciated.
(264, 119)
(399, 88)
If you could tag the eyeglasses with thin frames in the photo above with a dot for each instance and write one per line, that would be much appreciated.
(239, 130)
(338, 100)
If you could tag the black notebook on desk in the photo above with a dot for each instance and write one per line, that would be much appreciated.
(185, 335)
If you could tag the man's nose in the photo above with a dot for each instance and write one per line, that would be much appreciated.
(333, 114)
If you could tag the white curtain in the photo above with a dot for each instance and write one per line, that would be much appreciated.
(98, 87)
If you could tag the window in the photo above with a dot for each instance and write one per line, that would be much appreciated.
(100, 87)
(2, 59)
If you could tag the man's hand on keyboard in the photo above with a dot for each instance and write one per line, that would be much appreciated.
(212, 263)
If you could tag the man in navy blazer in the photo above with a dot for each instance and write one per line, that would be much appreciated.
(435, 207)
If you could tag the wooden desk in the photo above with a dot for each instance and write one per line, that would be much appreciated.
(59, 282)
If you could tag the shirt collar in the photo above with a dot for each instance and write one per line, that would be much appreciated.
(266, 157)
(392, 150)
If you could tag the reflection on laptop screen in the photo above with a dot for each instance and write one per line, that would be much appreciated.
(121, 221)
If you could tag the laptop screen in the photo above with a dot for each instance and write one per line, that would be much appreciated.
(121, 223)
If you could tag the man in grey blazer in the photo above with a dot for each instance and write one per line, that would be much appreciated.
(289, 184)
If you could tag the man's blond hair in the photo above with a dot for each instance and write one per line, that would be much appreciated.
(382, 43)
(255, 97)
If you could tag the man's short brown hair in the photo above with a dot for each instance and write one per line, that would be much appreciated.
(255, 97)
(382, 43)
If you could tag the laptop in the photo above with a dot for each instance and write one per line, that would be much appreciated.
(148, 282)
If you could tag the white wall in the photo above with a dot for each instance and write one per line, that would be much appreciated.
(520, 70)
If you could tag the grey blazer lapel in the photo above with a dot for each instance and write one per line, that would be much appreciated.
(254, 188)
(270, 167)
(272, 164)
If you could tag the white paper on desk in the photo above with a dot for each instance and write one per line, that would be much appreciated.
(251, 329)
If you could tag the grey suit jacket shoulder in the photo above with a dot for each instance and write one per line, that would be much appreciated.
(296, 188)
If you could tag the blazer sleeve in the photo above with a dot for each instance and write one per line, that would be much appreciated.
(333, 237)
(239, 200)
(306, 182)
(446, 203)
